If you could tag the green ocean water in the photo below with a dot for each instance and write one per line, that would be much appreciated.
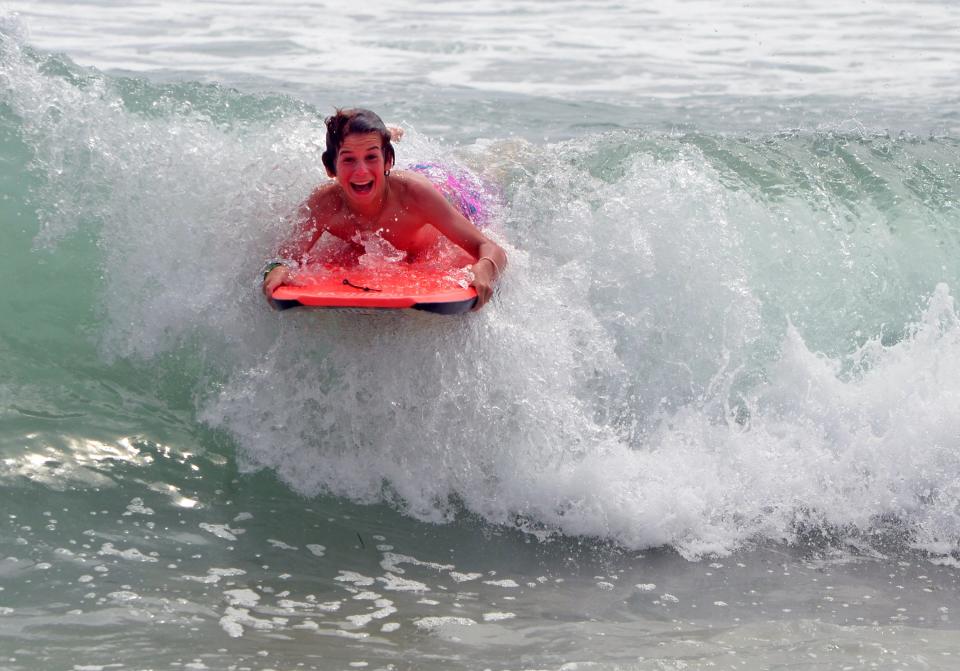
(707, 422)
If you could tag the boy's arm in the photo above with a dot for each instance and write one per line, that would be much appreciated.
(308, 229)
(491, 260)
(292, 252)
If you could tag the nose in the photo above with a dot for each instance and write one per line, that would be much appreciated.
(361, 170)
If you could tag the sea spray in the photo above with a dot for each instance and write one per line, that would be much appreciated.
(702, 340)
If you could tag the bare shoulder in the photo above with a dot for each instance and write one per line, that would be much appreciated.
(325, 200)
(413, 182)
(416, 188)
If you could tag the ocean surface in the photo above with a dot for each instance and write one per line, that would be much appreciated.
(711, 419)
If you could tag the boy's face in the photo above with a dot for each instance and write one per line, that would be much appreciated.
(360, 167)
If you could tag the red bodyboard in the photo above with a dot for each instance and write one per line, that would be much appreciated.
(390, 287)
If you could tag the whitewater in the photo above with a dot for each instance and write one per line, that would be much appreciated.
(708, 421)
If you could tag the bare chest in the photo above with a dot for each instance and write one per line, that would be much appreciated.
(401, 229)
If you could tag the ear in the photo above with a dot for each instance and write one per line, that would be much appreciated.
(330, 173)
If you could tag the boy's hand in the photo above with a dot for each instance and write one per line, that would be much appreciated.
(483, 278)
(274, 279)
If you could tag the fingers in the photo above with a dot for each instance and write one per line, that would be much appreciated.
(484, 293)
(269, 285)
(274, 279)
(483, 283)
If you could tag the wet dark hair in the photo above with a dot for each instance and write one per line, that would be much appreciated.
(348, 122)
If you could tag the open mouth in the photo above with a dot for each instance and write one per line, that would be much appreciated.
(362, 189)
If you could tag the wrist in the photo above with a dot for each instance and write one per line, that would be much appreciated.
(270, 266)
(493, 266)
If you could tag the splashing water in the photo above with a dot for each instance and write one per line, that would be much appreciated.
(702, 340)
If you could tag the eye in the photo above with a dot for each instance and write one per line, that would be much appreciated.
(349, 160)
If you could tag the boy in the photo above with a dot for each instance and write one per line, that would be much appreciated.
(366, 198)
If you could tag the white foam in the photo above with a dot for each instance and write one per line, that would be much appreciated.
(364, 619)
(242, 597)
(627, 383)
(214, 575)
(226, 572)
(366, 596)
(136, 507)
(393, 583)
(123, 596)
(464, 577)
(355, 578)
(221, 531)
(391, 562)
(130, 554)
(507, 583)
(329, 606)
(434, 623)
(280, 545)
(234, 620)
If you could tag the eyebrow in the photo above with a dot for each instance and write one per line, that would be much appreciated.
(361, 151)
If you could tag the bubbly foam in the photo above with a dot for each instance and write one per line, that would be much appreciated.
(673, 356)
